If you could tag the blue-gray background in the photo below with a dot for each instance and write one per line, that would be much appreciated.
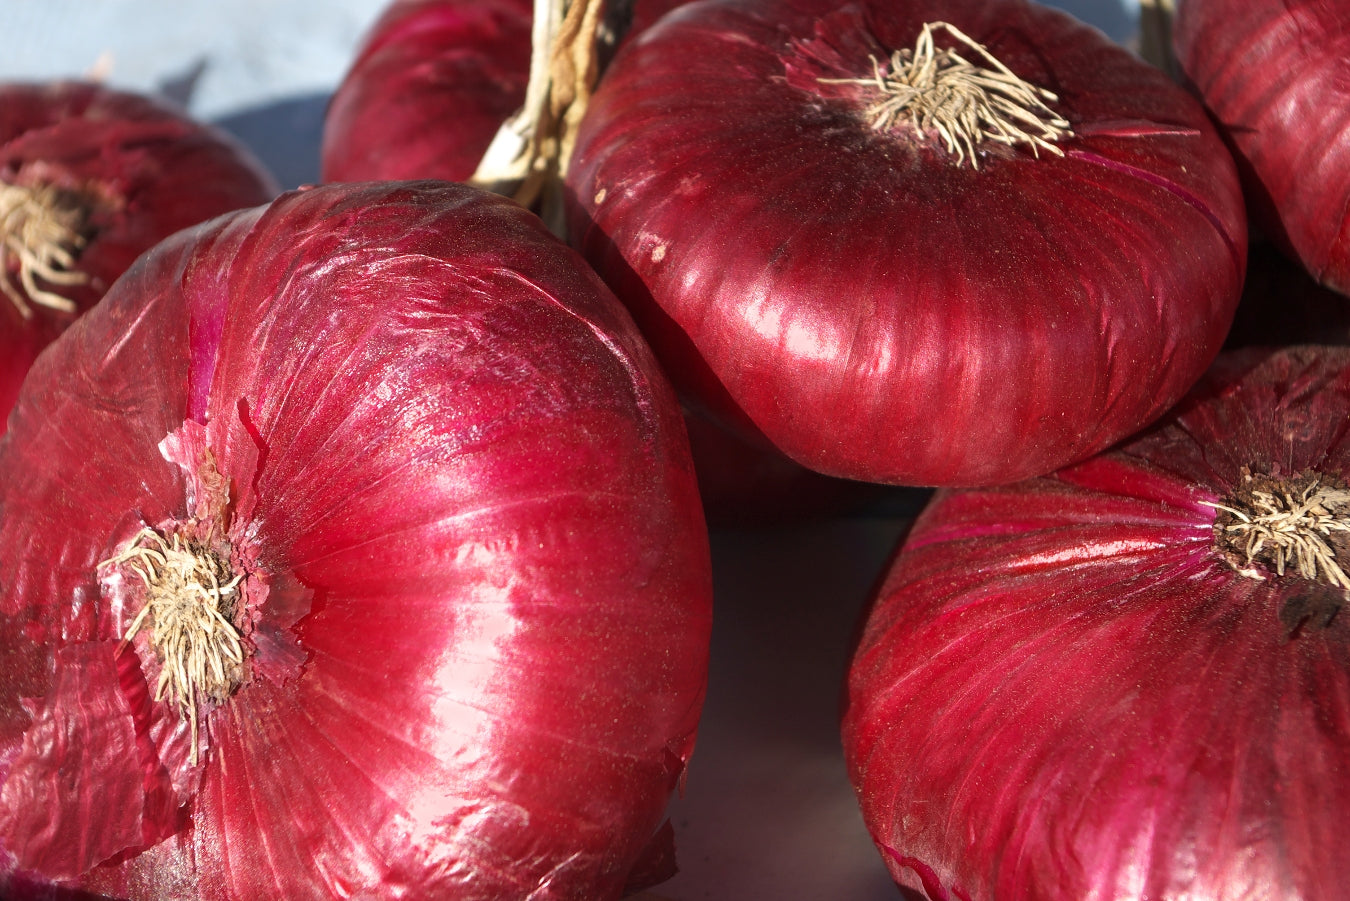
(768, 813)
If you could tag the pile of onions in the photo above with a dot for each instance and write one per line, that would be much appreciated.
(89, 178)
(357, 553)
(902, 293)
(429, 88)
(1130, 679)
(1273, 74)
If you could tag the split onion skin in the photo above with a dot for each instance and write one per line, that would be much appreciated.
(1272, 72)
(478, 602)
(153, 168)
(1063, 690)
(874, 309)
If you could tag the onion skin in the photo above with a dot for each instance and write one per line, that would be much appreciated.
(1272, 72)
(876, 310)
(479, 594)
(1063, 690)
(154, 170)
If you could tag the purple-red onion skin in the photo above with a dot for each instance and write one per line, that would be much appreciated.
(1272, 72)
(876, 310)
(155, 170)
(1063, 690)
(431, 84)
(480, 595)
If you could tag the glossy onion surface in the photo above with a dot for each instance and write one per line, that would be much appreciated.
(476, 583)
(1066, 690)
(876, 309)
(1273, 74)
(431, 84)
(145, 171)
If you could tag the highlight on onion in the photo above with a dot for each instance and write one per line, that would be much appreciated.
(1131, 678)
(1272, 72)
(825, 251)
(357, 553)
(90, 177)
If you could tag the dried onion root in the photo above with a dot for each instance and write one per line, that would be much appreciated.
(41, 227)
(966, 103)
(1282, 522)
(191, 601)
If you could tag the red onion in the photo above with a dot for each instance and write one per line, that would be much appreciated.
(421, 462)
(1273, 74)
(431, 84)
(879, 304)
(1130, 679)
(89, 178)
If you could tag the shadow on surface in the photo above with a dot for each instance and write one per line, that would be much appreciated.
(285, 135)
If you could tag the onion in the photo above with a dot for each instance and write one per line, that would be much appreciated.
(89, 178)
(881, 302)
(412, 512)
(1273, 74)
(429, 87)
(1130, 679)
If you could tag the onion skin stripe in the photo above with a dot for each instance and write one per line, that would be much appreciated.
(1237, 253)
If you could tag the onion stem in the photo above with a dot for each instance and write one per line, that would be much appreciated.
(937, 89)
(1283, 523)
(191, 599)
(1155, 35)
(531, 150)
(40, 227)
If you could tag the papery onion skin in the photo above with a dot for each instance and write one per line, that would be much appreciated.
(1064, 691)
(876, 310)
(153, 169)
(479, 594)
(1273, 74)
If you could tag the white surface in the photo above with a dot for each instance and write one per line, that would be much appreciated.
(768, 813)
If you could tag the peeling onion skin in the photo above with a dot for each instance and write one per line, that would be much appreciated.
(876, 310)
(1063, 690)
(1273, 74)
(478, 600)
(427, 90)
(156, 171)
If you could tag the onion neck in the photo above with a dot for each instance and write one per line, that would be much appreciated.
(42, 231)
(936, 90)
(192, 601)
(1296, 526)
